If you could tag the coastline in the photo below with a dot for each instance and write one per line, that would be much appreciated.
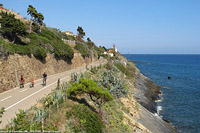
(147, 92)
(148, 95)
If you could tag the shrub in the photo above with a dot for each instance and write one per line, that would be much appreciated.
(6, 49)
(82, 50)
(20, 122)
(98, 95)
(39, 53)
(88, 121)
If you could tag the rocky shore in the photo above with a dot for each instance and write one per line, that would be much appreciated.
(146, 93)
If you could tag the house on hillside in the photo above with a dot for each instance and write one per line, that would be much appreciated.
(111, 52)
(3, 9)
(69, 33)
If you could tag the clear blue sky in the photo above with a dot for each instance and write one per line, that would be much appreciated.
(135, 26)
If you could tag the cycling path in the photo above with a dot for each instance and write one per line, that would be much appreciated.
(24, 98)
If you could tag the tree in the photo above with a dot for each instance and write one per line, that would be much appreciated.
(81, 33)
(10, 26)
(97, 94)
(33, 13)
(40, 18)
(36, 18)
(1, 5)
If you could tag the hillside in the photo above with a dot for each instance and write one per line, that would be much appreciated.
(44, 49)
(114, 97)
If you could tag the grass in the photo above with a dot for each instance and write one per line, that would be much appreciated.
(123, 69)
(115, 118)
(85, 120)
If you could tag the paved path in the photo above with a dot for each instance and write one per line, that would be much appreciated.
(24, 98)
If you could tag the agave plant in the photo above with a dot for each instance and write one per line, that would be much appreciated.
(110, 80)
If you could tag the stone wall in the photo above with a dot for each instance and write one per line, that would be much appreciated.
(17, 65)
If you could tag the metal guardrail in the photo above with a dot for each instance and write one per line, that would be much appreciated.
(68, 41)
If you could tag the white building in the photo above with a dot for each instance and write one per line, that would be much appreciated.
(70, 33)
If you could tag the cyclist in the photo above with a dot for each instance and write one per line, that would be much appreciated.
(32, 83)
(44, 78)
(21, 81)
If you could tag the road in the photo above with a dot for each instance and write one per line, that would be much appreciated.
(24, 98)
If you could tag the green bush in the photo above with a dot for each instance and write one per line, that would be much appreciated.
(90, 87)
(20, 122)
(88, 121)
(82, 50)
(8, 48)
(39, 53)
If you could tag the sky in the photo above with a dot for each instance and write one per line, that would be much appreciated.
(135, 26)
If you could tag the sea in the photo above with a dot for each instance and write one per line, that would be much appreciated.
(180, 99)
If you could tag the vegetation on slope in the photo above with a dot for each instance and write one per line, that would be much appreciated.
(41, 40)
(39, 45)
(82, 48)
(38, 42)
(88, 121)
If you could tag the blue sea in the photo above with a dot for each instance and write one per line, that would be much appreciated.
(180, 99)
